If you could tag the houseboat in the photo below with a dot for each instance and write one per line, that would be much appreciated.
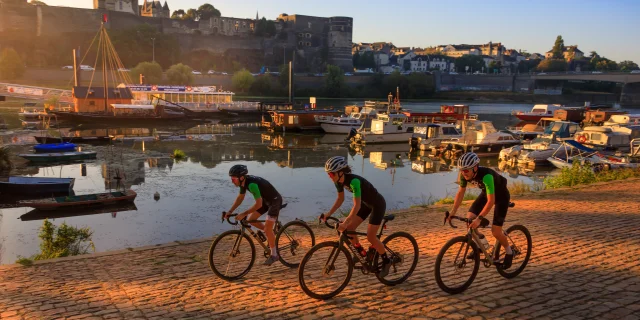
(296, 120)
(613, 138)
(206, 101)
(537, 112)
(570, 114)
(447, 114)
(387, 128)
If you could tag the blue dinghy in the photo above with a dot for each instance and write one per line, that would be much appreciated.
(55, 147)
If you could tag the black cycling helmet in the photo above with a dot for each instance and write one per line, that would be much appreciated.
(238, 170)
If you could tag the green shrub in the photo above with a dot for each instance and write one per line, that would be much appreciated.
(63, 241)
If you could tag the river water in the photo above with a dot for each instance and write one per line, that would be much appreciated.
(194, 192)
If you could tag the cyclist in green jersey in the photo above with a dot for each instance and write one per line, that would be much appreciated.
(367, 202)
(268, 200)
(494, 192)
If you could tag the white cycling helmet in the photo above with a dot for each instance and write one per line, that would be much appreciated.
(468, 161)
(335, 164)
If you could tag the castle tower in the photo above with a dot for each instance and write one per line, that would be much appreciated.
(165, 10)
(339, 42)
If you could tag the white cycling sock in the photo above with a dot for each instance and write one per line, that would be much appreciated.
(274, 253)
(508, 250)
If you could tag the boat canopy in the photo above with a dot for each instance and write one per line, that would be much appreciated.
(579, 146)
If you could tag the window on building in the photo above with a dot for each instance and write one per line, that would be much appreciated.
(300, 43)
(120, 5)
(300, 35)
(308, 35)
(308, 44)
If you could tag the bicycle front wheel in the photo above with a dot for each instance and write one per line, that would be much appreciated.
(293, 241)
(325, 270)
(402, 250)
(231, 255)
(520, 241)
(455, 270)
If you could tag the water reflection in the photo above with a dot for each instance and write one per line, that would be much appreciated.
(52, 215)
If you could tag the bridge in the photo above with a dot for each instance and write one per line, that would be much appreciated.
(34, 93)
(620, 77)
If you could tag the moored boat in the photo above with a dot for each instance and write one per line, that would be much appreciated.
(387, 128)
(60, 156)
(88, 140)
(55, 147)
(81, 201)
(35, 185)
(537, 112)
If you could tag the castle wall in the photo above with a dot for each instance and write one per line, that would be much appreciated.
(339, 42)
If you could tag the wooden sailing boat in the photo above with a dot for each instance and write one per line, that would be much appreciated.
(114, 103)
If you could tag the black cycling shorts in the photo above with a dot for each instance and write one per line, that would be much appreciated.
(499, 209)
(378, 210)
(272, 209)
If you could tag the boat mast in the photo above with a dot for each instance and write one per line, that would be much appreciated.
(103, 35)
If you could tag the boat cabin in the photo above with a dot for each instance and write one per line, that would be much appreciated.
(569, 114)
(609, 138)
(91, 99)
(296, 120)
(623, 120)
(561, 129)
(547, 109)
(390, 123)
(447, 114)
(430, 135)
(598, 117)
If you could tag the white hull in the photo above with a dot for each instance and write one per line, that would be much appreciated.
(371, 138)
(337, 128)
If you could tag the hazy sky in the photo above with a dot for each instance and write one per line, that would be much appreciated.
(609, 27)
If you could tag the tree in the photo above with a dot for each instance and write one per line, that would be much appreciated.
(178, 14)
(152, 72)
(571, 53)
(627, 65)
(284, 75)
(594, 55)
(242, 80)
(553, 65)
(265, 28)
(11, 65)
(262, 86)
(334, 81)
(558, 48)
(207, 11)
(474, 62)
(180, 74)
(356, 59)
(367, 60)
(494, 67)
(192, 14)
(528, 65)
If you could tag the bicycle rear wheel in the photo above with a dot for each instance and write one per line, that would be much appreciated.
(402, 250)
(325, 270)
(454, 272)
(231, 255)
(293, 241)
(520, 241)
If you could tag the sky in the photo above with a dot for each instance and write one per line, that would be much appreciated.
(609, 27)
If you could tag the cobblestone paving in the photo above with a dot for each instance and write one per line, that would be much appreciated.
(584, 264)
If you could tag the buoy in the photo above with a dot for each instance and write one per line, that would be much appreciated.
(156, 196)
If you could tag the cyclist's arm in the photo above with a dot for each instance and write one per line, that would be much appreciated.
(236, 203)
(337, 204)
(357, 196)
(491, 194)
(255, 191)
(459, 195)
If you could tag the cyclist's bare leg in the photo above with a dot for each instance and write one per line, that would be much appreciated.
(355, 223)
(271, 238)
(499, 235)
(372, 236)
(255, 216)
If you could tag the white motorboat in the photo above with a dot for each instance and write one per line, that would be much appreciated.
(344, 125)
(481, 137)
(386, 128)
(429, 136)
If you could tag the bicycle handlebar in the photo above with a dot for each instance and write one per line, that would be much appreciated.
(228, 218)
(326, 222)
(483, 222)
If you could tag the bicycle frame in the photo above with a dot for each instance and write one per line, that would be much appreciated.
(367, 266)
(245, 226)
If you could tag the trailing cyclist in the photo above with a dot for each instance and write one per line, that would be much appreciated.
(267, 200)
(367, 202)
(494, 193)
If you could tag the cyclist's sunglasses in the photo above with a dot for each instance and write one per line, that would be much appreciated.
(467, 170)
(235, 179)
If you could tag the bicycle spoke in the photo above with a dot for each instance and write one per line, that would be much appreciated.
(326, 270)
(293, 243)
(231, 256)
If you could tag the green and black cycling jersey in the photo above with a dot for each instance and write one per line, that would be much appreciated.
(489, 181)
(361, 188)
(260, 188)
